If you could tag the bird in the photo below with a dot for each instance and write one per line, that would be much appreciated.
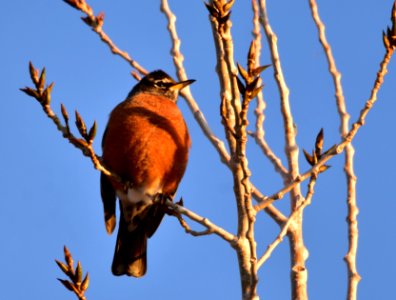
(146, 143)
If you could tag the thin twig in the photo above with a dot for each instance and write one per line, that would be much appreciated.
(353, 274)
(261, 105)
(213, 228)
(336, 75)
(290, 220)
(289, 126)
(228, 106)
(43, 96)
(189, 230)
(297, 247)
(353, 211)
(271, 210)
(96, 23)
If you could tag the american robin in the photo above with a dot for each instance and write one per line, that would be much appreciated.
(146, 143)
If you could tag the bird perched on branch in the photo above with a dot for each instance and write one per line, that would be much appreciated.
(146, 143)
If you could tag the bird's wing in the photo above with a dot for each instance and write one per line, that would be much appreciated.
(109, 202)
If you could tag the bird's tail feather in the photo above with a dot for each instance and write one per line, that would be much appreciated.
(130, 257)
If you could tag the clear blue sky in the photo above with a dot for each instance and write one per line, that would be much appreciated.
(50, 193)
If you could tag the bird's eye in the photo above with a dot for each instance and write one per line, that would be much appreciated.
(160, 83)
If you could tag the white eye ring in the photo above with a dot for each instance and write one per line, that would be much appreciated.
(159, 83)
(162, 83)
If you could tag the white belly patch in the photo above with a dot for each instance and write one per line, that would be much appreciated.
(136, 202)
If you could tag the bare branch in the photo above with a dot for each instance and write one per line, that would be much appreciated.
(298, 250)
(212, 228)
(289, 126)
(190, 231)
(85, 143)
(96, 23)
(271, 210)
(261, 105)
(353, 210)
(353, 274)
(234, 118)
(336, 75)
(290, 221)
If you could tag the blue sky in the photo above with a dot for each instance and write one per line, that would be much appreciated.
(50, 192)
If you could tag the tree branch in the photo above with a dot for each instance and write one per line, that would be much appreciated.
(261, 105)
(353, 274)
(211, 227)
(233, 112)
(289, 126)
(290, 221)
(96, 23)
(298, 250)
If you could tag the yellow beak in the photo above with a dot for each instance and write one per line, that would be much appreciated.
(179, 85)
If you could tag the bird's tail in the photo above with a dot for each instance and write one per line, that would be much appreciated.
(130, 257)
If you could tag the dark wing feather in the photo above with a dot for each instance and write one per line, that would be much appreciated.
(109, 203)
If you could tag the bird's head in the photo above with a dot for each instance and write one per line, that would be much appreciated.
(160, 83)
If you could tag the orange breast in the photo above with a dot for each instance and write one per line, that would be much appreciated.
(147, 140)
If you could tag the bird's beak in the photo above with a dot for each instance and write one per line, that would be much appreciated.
(179, 85)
